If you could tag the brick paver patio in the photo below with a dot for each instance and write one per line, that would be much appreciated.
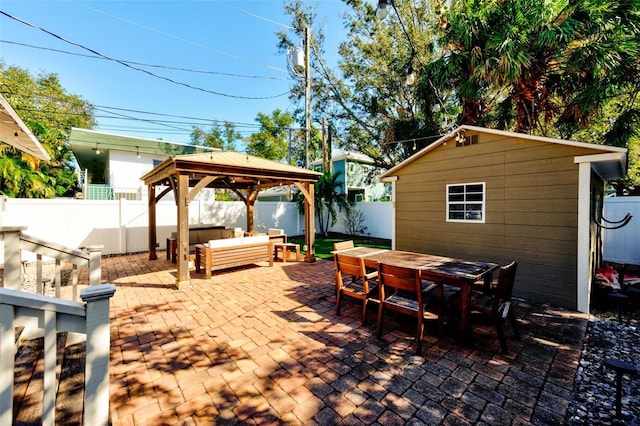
(262, 345)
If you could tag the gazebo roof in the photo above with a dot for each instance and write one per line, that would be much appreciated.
(230, 169)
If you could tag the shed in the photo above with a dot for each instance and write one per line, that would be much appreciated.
(244, 174)
(496, 196)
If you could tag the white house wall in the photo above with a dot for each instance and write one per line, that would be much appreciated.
(125, 168)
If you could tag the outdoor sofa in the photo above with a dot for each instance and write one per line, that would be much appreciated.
(232, 252)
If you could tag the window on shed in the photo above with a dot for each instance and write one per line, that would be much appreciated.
(465, 202)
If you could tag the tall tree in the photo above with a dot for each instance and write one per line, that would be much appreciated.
(222, 136)
(50, 113)
(366, 100)
(272, 140)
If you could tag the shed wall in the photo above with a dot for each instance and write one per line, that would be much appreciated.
(531, 210)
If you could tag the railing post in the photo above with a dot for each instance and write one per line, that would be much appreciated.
(12, 257)
(96, 376)
(95, 268)
(7, 361)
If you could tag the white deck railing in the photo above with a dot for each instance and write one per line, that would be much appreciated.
(15, 242)
(54, 315)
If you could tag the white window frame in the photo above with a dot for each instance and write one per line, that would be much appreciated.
(466, 202)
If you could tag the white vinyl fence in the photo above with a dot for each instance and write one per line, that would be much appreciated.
(622, 245)
(121, 226)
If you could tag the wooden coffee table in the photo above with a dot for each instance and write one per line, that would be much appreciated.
(286, 249)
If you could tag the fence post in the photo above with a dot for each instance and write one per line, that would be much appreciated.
(95, 266)
(96, 376)
(12, 257)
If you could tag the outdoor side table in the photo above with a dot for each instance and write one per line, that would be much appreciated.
(286, 249)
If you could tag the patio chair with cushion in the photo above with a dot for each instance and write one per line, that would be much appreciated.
(363, 286)
(401, 290)
(497, 304)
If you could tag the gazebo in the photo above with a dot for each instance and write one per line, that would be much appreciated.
(245, 175)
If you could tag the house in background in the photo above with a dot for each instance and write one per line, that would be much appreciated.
(112, 164)
(356, 177)
(497, 196)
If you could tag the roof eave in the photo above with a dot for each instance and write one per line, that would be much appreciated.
(612, 165)
(15, 133)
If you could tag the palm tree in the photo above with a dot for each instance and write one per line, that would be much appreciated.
(326, 198)
(515, 62)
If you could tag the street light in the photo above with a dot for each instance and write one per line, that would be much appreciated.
(382, 11)
(299, 63)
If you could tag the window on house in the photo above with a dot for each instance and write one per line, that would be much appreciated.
(465, 202)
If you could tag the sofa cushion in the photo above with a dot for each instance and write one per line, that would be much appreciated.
(255, 239)
(225, 242)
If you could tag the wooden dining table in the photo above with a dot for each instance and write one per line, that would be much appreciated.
(460, 273)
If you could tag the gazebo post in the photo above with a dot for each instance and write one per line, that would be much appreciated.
(152, 222)
(183, 278)
(250, 201)
(250, 210)
(309, 224)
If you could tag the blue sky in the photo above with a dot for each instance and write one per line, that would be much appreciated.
(232, 37)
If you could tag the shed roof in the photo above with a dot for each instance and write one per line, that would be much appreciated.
(607, 166)
(14, 132)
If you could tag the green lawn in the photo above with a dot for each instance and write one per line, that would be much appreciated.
(324, 245)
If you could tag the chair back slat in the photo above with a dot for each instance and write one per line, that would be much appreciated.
(400, 278)
(343, 245)
(350, 265)
(506, 281)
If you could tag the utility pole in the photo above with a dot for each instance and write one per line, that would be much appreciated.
(307, 94)
(325, 155)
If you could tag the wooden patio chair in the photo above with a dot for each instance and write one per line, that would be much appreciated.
(343, 245)
(362, 286)
(497, 304)
(340, 245)
(401, 290)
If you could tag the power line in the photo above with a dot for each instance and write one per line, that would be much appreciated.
(179, 38)
(262, 18)
(135, 67)
(147, 65)
(192, 120)
(110, 113)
